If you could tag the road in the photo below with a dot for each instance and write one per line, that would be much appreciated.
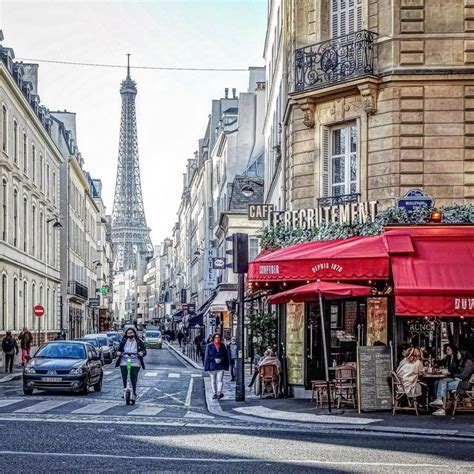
(170, 429)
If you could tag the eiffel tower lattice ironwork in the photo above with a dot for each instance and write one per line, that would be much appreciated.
(130, 233)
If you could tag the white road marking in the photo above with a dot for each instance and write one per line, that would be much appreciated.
(43, 406)
(146, 411)
(151, 374)
(94, 408)
(202, 416)
(190, 393)
(5, 403)
(196, 375)
(174, 376)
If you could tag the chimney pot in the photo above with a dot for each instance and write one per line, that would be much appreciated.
(226, 91)
(234, 92)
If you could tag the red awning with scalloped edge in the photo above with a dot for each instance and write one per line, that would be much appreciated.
(434, 273)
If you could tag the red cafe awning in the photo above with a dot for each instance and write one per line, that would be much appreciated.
(433, 270)
(356, 258)
(312, 291)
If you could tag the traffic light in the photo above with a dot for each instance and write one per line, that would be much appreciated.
(240, 253)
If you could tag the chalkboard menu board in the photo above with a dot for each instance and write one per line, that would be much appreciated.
(375, 364)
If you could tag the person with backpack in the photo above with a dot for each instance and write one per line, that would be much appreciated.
(10, 348)
(26, 338)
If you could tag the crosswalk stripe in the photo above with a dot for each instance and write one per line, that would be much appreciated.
(174, 376)
(192, 414)
(42, 406)
(5, 403)
(94, 408)
(151, 374)
(145, 410)
(196, 375)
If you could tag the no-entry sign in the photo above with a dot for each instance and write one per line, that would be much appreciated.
(38, 310)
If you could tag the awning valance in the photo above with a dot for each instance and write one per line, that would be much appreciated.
(312, 291)
(436, 276)
(356, 258)
(219, 304)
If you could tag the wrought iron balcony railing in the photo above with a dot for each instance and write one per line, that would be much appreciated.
(336, 60)
(337, 200)
(78, 290)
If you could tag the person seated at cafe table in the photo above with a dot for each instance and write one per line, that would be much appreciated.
(410, 370)
(459, 382)
(268, 358)
(451, 358)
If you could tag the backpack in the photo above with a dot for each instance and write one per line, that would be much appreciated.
(8, 344)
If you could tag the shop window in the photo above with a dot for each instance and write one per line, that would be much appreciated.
(339, 160)
(346, 17)
(254, 248)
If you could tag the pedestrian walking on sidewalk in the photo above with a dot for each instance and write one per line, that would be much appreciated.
(10, 348)
(26, 338)
(203, 346)
(180, 338)
(232, 349)
(216, 362)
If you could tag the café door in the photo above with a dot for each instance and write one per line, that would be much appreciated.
(314, 361)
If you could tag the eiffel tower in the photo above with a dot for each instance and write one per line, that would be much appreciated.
(130, 234)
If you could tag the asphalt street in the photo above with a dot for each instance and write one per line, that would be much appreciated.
(170, 429)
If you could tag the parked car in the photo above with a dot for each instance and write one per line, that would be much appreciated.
(104, 344)
(94, 343)
(152, 338)
(63, 366)
(116, 338)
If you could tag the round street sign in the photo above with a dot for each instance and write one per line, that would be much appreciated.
(38, 310)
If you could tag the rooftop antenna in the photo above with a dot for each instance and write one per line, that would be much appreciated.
(128, 65)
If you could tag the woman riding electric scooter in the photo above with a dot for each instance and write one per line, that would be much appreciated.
(134, 348)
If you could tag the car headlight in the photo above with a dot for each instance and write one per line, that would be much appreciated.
(30, 370)
(159, 340)
(77, 371)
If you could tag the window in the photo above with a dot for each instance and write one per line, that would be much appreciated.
(4, 209)
(15, 217)
(254, 248)
(4, 302)
(25, 223)
(4, 128)
(33, 163)
(33, 303)
(47, 180)
(25, 154)
(41, 171)
(340, 167)
(41, 234)
(47, 307)
(346, 17)
(15, 303)
(54, 187)
(53, 307)
(33, 230)
(25, 300)
(15, 142)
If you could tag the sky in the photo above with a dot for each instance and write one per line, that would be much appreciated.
(172, 106)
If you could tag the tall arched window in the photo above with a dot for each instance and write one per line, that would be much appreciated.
(47, 180)
(4, 128)
(4, 209)
(47, 308)
(41, 171)
(4, 302)
(25, 154)
(15, 142)
(41, 234)
(15, 304)
(25, 302)
(33, 303)
(53, 310)
(15, 217)
(25, 224)
(33, 163)
(33, 230)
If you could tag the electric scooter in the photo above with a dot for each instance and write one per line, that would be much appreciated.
(128, 390)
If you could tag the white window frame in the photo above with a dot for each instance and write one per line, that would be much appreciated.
(345, 17)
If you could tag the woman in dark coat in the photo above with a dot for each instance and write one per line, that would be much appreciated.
(216, 362)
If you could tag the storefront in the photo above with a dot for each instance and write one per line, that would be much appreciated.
(421, 282)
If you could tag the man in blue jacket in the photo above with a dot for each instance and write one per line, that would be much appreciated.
(216, 362)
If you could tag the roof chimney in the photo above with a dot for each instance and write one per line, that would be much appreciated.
(234, 93)
(226, 92)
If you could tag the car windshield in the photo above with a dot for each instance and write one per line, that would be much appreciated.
(62, 351)
(103, 340)
(153, 334)
(114, 336)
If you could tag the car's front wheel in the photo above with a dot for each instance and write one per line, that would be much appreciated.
(98, 385)
(27, 391)
(85, 388)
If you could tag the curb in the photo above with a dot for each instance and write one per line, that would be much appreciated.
(183, 356)
(10, 377)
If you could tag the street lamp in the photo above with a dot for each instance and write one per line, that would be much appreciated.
(56, 224)
(248, 188)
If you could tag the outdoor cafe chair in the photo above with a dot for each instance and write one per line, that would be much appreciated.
(464, 402)
(398, 393)
(345, 385)
(268, 375)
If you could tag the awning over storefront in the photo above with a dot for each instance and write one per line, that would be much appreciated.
(196, 320)
(178, 316)
(433, 271)
(356, 258)
(219, 304)
(312, 291)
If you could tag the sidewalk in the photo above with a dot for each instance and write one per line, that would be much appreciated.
(16, 375)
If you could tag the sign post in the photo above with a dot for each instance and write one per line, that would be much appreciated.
(38, 311)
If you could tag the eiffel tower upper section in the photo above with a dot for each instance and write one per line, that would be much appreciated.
(130, 233)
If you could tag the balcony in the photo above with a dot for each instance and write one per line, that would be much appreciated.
(338, 200)
(78, 290)
(337, 60)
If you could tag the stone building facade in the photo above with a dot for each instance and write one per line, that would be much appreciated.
(381, 100)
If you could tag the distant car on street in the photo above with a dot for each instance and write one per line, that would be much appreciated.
(105, 345)
(116, 338)
(152, 339)
(94, 343)
(63, 366)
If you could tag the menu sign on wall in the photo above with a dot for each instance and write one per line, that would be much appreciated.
(374, 366)
(295, 342)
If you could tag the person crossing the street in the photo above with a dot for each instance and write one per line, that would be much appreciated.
(131, 344)
(10, 348)
(26, 338)
(216, 362)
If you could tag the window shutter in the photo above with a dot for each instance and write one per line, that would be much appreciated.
(324, 162)
(346, 17)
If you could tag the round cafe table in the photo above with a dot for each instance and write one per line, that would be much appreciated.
(431, 382)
